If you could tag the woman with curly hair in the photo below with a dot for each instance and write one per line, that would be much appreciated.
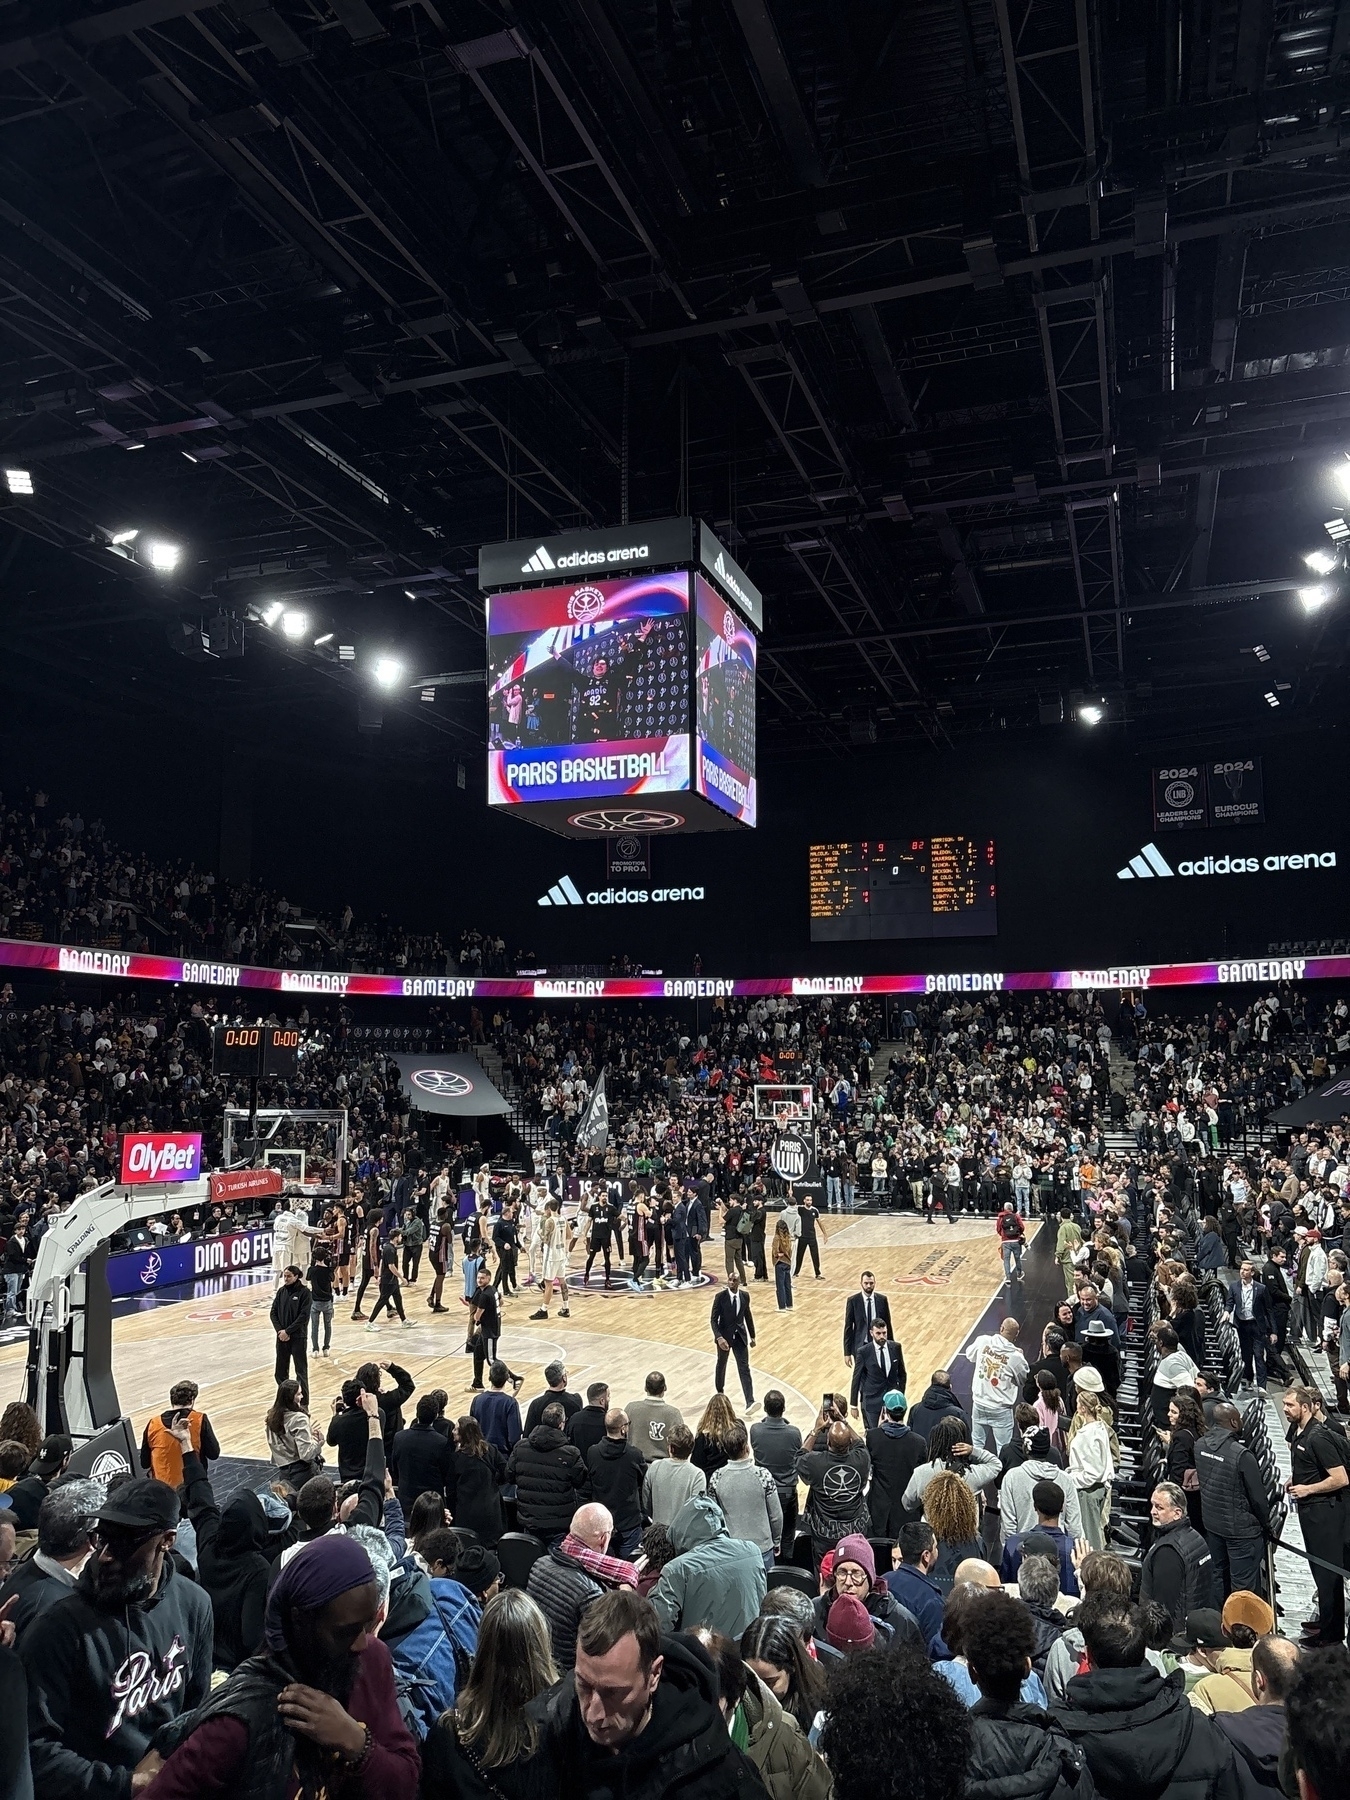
(1185, 1428)
(19, 1424)
(709, 1454)
(951, 1511)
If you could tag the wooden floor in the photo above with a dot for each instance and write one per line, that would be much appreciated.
(939, 1279)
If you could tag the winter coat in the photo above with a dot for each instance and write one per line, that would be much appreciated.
(685, 1749)
(1258, 1737)
(938, 1403)
(1144, 1740)
(714, 1579)
(1020, 1753)
(617, 1469)
(896, 1451)
(882, 1604)
(562, 1590)
(550, 1479)
(423, 1459)
(789, 1768)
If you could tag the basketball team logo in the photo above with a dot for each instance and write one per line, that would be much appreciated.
(625, 819)
(790, 1156)
(729, 627)
(585, 604)
(446, 1083)
(107, 1464)
(1179, 795)
(627, 849)
(151, 1269)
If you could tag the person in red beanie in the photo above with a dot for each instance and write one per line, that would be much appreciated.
(853, 1575)
(849, 1626)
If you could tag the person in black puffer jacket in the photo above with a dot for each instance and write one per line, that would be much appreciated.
(1140, 1734)
(1018, 1752)
(549, 1475)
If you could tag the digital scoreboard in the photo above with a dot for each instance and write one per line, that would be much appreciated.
(937, 887)
(255, 1050)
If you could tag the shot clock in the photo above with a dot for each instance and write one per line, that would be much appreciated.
(255, 1050)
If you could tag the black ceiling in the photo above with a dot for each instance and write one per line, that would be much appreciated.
(1006, 344)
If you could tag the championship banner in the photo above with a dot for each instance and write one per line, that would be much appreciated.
(1179, 798)
(1236, 793)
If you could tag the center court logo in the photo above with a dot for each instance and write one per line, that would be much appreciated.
(1151, 864)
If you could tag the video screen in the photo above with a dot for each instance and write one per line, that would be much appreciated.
(588, 690)
(938, 887)
(724, 687)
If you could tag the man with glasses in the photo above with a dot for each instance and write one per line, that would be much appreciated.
(121, 1656)
(65, 1522)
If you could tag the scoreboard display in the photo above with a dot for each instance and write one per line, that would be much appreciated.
(255, 1050)
(937, 887)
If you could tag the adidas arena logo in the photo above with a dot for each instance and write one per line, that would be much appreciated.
(565, 893)
(540, 561)
(729, 581)
(1150, 863)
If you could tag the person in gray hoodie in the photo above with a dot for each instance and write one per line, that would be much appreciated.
(748, 1496)
(673, 1479)
(714, 1579)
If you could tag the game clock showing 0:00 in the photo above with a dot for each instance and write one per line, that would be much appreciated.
(254, 1050)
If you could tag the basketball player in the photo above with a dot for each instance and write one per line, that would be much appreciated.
(554, 1244)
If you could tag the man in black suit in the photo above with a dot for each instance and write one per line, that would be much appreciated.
(878, 1367)
(863, 1309)
(1278, 1282)
(1250, 1310)
(733, 1329)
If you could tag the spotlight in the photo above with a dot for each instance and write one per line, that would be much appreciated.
(162, 556)
(1313, 597)
(1321, 562)
(294, 625)
(1260, 652)
(18, 481)
(272, 612)
(346, 652)
(1090, 715)
(388, 671)
(1272, 699)
(125, 537)
(327, 638)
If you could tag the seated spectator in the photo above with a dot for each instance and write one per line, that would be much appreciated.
(574, 1574)
(714, 1580)
(321, 1705)
(1038, 1590)
(1318, 1712)
(1134, 1726)
(672, 1479)
(45, 1470)
(849, 1627)
(893, 1728)
(853, 1575)
(954, 1667)
(120, 1657)
(1258, 1732)
(1217, 1650)
(1047, 1497)
(775, 1650)
(430, 1622)
(65, 1521)
(549, 1477)
(1014, 1742)
(638, 1712)
(14, 1460)
(949, 1508)
(20, 1424)
(485, 1748)
(911, 1582)
(772, 1739)
(161, 1453)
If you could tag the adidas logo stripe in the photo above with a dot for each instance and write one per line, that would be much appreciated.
(564, 893)
(1150, 862)
(537, 564)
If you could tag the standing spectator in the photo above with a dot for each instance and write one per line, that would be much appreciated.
(894, 1728)
(911, 1582)
(714, 1580)
(549, 1476)
(347, 1431)
(672, 1479)
(587, 1424)
(555, 1389)
(422, 1455)
(293, 1443)
(1092, 1468)
(1177, 1572)
(616, 1468)
(290, 1322)
(651, 1419)
(781, 1255)
(709, 1452)
(414, 1236)
(118, 1658)
(1249, 1310)
(1257, 1732)
(1012, 1741)
(775, 1744)
(938, 1402)
(1012, 1231)
(1234, 1506)
(479, 1470)
(775, 1650)
(836, 1470)
(1000, 1370)
(320, 1277)
(748, 1496)
(497, 1412)
(160, 1452)
(949, 1507)
(776, 1445)
(896, 1452)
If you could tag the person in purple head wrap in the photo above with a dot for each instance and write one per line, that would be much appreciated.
(315, 1715)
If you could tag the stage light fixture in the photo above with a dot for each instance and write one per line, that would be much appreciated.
(1313, 597)
(18, 481)
(1321, 562)
(388, 671)
(327, 638)
(1272, 699)
(162, 556)
(294, 625)
(272, 612)
(1090, 715)
(346, 652)
(125, 537)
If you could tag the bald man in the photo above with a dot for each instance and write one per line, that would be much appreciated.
(573, 1574)
(617, 1470)
(977, 1572)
